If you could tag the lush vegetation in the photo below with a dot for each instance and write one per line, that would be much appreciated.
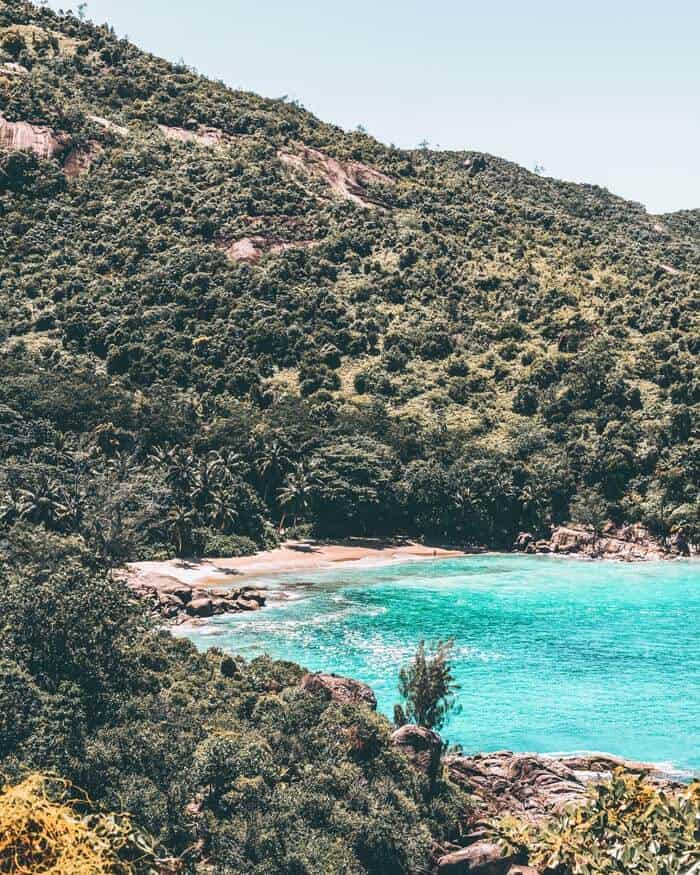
(481, 354)
(626, 826)
(460, 351)
(218, 760)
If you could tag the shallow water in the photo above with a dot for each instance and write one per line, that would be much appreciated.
(553, 655)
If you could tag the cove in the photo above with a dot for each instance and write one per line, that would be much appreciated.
(553, 655)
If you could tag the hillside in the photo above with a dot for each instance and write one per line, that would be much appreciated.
(220, 319)
(314, 327)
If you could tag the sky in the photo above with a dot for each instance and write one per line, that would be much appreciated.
(600, 92)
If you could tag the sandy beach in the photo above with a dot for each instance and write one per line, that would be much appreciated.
(292, 556)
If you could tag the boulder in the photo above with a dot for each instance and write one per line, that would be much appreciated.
(166, 599)
(246, 604)
(567, 539)
(339, 689)
(522, 870)
(422, 746)
(475, 165)
(678, 545)
(481, 858)
(532, 787)
(200, 607)
(253, 594)
(180, 590)
(524, 540)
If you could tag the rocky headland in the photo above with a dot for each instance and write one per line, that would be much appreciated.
(529, 786)
(627, 543)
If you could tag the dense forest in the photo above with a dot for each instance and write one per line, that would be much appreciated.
(221, 318)
(219, 314)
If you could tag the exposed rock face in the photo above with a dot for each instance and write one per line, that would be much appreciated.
(348, 179)
(40, 139)
(475, 165)
(178, 602)
(252, 249)
(531, 786)
(339, 689)
(13, 70)
(202, 135)
(422, 746)
(109, 126)
(632, 543)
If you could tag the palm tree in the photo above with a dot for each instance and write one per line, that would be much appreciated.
(297, 492)
(272, 461)
(221, 511)
(43, 503)
(180, 523)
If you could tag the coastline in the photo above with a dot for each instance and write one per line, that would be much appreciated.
(290, 557)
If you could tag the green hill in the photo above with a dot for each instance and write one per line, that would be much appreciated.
(220, 317)
(371, 339)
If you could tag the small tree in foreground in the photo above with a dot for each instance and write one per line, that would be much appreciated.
(427, 688)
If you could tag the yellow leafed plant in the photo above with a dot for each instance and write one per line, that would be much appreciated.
(43, 832)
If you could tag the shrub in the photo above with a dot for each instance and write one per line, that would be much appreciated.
(625, 826)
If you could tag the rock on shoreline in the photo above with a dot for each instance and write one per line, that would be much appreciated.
(178, 602)
(630, 543)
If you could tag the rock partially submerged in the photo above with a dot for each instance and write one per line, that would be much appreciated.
(631, 543)
(178, 602)
(340, 689)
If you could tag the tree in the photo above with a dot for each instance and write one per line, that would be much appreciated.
(297, 491)
(427, 687)
(589, 508)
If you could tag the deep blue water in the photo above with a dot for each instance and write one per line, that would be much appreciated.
(553, 655)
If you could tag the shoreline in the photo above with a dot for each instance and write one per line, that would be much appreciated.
(311, 555)
(297, 558)
(290, 557)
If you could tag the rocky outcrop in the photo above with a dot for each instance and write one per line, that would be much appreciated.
(348, 179)
(252, 249)
(475, 165)
(13, 70)
(339, 689)
(178, 602)
(39, 139)
(109, 125)
(532, 787)
(422, 746)
(631, 543)
(200, 135)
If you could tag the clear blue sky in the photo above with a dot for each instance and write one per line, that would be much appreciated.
(604, 92)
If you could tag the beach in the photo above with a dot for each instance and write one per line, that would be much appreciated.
(291, 556)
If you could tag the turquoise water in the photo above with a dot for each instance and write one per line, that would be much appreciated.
(553, 655)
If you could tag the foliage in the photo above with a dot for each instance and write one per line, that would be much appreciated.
(626, 825)
(427, 688)
(486, 346)
(47, 831)
(214, 757)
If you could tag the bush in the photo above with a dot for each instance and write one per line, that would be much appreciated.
(625, 826)
(229, 546)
